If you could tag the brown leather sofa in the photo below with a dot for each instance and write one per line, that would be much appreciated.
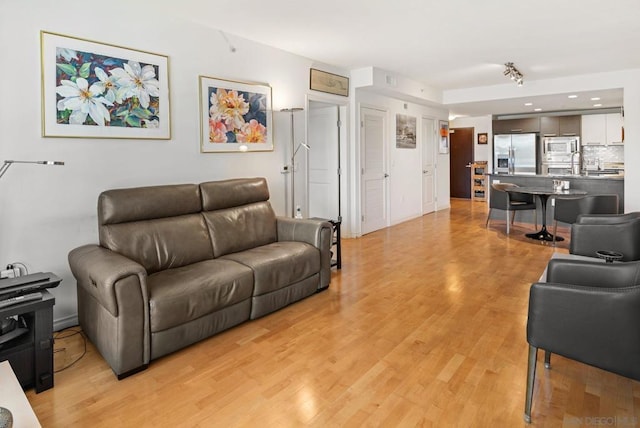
(179, 263)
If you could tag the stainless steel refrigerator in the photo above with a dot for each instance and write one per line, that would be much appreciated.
(515, 154)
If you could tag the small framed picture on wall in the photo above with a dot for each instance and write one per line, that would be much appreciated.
(444, 137)
(483, 138)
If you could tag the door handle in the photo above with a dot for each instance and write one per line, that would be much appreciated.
(469, 165)
(386, 175)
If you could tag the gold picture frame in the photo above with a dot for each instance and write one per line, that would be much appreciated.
(129, 90)
(245, 127)
(330, 83)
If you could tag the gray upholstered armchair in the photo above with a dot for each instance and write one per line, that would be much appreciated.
(586, 311)
(618, 233)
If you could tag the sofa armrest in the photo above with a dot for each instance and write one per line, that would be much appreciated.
(318, 233)
(99, 271)
(302, 230)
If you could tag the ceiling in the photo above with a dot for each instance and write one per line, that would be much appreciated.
(446, 44)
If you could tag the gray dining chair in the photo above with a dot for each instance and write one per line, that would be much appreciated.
(500, 199)
(568, 210)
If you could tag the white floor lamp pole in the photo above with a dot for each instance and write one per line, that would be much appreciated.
(292, 170)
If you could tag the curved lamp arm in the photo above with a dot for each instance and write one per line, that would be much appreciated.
(302, 144)
(5, 166)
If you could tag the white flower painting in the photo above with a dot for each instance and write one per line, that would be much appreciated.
(103, 90)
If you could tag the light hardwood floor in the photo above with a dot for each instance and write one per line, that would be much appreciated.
(423, 326)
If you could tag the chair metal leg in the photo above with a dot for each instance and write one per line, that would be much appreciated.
(486, 224)
(510, 220)
(547, 359)
(555, 231)
(507, 221)
(531, 376)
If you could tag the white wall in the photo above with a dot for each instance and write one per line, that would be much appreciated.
(405, 165)
(47, 211)
(481, 152)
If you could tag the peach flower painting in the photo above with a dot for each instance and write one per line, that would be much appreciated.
(238, 116)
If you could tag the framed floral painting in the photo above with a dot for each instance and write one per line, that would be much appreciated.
(98, 90)
(235, 116)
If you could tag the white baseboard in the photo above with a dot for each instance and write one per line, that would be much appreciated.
(66, 322)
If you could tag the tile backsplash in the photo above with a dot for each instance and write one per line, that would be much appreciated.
(601, 157)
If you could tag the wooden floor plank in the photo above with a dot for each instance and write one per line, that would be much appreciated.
(423, 326)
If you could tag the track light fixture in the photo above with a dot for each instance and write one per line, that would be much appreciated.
(513, 73)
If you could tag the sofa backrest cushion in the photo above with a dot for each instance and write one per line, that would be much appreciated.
(238, 214)
(160, 244)
(217, 195)
(146, 203)
(159, 227)
(241, 228)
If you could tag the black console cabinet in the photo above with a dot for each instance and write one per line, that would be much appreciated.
(31, 355)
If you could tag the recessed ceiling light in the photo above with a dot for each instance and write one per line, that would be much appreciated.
(537, 109)
(595, 99)
(528, 104)
(597, 105)
(572, 96)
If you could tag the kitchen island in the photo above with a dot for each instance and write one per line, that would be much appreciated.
(592, 184)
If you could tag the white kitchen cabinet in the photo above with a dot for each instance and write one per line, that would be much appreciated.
(601, 129)
(594, 129)
(614, 128)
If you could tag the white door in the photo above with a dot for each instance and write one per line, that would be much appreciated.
(374, 164)
(428, 165)
(323, 131)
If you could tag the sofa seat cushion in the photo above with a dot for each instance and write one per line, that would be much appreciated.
(180, 295)
(279, 264)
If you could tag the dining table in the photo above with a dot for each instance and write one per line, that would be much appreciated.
(543, 194)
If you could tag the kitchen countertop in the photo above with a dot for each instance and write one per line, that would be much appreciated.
(597, 185)
(590, 176)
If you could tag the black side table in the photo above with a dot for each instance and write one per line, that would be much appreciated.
(336, 258)
(31, 355)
